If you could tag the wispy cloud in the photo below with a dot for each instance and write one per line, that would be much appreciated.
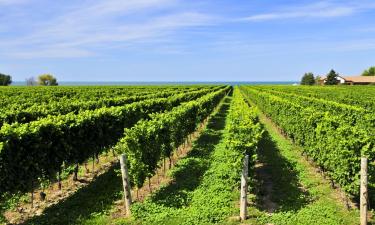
(324, 9)
(93, 28)
(82, 29)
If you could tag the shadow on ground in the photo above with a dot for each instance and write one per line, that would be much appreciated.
(97, 197)
(278, 176)
(188, 173)
(371, 186)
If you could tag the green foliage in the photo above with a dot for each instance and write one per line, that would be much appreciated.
(34, 109)
(301, 195)
(5, 80)
(244, 130)
(9, 201)
(47, 80)
(317, 79)
(32, 150)
(149, 140)
(188, 199)
(308, 79)
(359, 96)
(320, 214)
(369, 72)
(331, 78)
(334, 135)
(206, 182)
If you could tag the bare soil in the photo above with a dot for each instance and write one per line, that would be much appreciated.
(266, 187)
(24, 210)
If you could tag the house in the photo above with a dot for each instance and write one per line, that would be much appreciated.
(352, 80)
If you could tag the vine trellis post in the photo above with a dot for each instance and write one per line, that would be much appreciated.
(126, 183)
(363, 191)
(244, 180)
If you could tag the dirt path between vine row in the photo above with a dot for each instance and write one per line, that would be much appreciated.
(24, 210)
(266, 187)
(336, 192)
(73, 193)
(161, 178)
(281, 175)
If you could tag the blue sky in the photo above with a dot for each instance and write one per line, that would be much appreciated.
(175, 40)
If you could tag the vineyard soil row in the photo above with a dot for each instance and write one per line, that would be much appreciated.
(303, 146)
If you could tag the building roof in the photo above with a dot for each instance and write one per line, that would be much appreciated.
(361, 79)
(356, 79)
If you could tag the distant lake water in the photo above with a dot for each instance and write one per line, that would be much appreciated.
(116, 83)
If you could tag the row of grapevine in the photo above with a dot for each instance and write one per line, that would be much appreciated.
(39, 148)
(37, 111)
(14, 98)
(324, 104)
(335, 138)
(244, 129)
(30, 95)
(360, 96)
(148, 142)
(244, 132)
(211, 171)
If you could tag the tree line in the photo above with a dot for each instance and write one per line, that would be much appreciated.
(310, 79)
(42, 80)
(5, 80)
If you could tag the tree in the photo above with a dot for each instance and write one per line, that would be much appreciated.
(369, 72)
(332, 78)
(47, 80)
(30, 81)
(308, 79)
(317, 79)
(5, 80)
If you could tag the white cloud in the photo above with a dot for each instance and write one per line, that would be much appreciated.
(89, 28)
(317, 10)
(51, 52)
(82, 29)
(116, 6)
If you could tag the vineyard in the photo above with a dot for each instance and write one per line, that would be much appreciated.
(334, 127)
(183, 151)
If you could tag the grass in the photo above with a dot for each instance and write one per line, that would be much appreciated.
(202, 189)
(301, 194)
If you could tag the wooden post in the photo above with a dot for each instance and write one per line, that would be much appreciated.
(93, 163)
(363, 194)
(243, 200)
(125, 183)
(75, 173)
(32, 194)
(149, 185)
(87, 169)
(164, 166)
(59, 179)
